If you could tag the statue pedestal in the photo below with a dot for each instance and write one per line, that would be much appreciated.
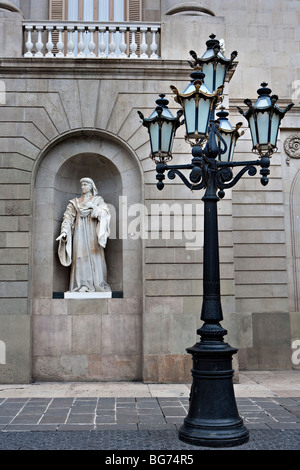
(88, 295)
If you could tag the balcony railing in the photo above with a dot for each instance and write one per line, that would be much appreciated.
(91, 40)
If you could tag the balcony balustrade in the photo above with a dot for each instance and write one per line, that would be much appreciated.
(91, 40)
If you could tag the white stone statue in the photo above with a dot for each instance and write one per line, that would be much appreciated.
(83, 237)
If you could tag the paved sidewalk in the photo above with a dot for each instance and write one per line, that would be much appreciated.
(137, 416)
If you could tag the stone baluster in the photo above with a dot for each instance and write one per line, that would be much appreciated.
(112, 44)
(60, 44)
(123, 45)
(144, 45)
(154, 46)
(114, 41)
(29, 43)
(49, 45)
(133, 44)
(81, 45)
(39, 44)
(70, 44)
(92, 45)
(102, 42)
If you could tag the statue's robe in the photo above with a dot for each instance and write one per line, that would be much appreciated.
(87, 232)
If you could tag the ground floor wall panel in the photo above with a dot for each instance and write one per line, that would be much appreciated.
(96, 339)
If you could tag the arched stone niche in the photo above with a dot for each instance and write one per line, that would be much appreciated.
(295, 236)
(108, 182)
(118, 179)
(86, 338)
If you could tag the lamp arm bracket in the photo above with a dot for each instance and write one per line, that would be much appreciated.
(225, 180)
(173, 172)
(221, 152)
(233, 164)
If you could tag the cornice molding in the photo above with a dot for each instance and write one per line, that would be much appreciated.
(99, 68)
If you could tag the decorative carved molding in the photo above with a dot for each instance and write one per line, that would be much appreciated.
(292, 147)
(190, 8)
(10, 7)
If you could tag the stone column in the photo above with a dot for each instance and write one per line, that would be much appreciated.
(11, 35)
(196, 32)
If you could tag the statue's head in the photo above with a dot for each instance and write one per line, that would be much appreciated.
(94, 190)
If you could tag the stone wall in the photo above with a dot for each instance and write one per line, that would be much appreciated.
(63, 127)
(60, 119)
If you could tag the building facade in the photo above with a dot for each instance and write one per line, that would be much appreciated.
(73, 75)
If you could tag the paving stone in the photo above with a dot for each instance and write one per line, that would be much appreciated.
(57, 411)
(82, 410)
(62, 401)
(52, 419)
(174, 411)
(26, 419)
(80, 419)
(137, 422)
(32, 410)
(5, 419)
(105, 419)
(125, 400)
(125, 405)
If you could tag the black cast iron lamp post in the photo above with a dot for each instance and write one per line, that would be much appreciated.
(213, 419)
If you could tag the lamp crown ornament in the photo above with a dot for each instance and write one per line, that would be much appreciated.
(264, 90)
(162, 101)
(212, 42)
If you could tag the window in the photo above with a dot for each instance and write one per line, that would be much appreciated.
(95, 10)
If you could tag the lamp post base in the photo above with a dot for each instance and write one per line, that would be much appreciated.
(213, 418)
(211, 437)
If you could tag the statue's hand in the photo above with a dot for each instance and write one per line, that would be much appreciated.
(62, 236)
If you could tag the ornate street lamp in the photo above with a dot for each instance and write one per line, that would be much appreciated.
(213, 419)
(162, 126)
(264, 119)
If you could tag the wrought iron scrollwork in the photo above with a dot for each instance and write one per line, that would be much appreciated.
(195, 181)
(207, 168)
(226, 180)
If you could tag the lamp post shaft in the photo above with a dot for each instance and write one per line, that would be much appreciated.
(213, 419)
(211, 307)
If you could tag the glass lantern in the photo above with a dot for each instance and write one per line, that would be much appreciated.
(264, 119)
(214, 64)
(162, 126)
(197, 103)
(229, 134)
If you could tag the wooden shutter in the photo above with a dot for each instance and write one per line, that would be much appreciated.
(57, 12)
(133, 12)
